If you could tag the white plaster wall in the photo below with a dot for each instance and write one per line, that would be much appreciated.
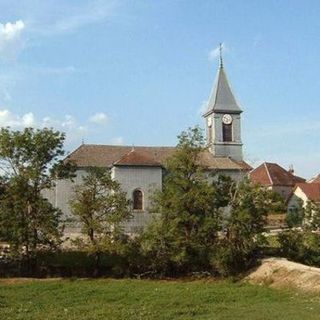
(147, 179)
(297, 196)
(61, 195)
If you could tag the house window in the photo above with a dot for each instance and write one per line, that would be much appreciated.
(227, 132)
(137, 200)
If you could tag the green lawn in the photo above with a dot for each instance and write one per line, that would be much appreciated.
(135, 299)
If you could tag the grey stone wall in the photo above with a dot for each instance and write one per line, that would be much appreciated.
(217, 146)
(146, 179)
(284, 191)
(60, 197)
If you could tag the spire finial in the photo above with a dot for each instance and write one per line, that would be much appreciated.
(220, 53)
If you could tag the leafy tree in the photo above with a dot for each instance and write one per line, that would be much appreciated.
(296, 215)
(302, 244)
(101, 207)
(311, 216)
(243, 227)
(30, 162)
(188, 222)
(205, 225)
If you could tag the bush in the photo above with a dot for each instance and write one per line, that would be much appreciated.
(300, 246)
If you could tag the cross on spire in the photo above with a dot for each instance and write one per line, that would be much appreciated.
(220, 54)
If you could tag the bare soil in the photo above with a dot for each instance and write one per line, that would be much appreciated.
(281, 273)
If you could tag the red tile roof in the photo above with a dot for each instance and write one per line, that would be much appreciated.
(311, 190)
(315, 179)
(271, 174)
(88, 155)
(136, 158)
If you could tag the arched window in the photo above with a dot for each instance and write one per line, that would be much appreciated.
(227, 132)
(137, 200)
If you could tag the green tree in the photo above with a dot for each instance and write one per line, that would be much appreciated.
(205, 223)
(30, 162)
(187, 224)
(243, 227)
(295, 216)
(102, 208)
(302, 243)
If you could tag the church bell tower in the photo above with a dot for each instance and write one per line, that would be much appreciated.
(223, 119)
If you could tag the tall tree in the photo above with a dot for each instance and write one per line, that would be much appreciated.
(188, 221)
(203, 225)
(30, 162)
(243, 227)
(102, 208)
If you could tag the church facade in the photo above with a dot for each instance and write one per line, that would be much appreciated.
(140, 170)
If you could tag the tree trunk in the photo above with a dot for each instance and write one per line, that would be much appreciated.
(97, 258)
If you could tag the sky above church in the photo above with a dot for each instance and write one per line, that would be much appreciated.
(140, 72)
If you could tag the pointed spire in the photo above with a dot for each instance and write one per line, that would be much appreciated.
(221, 98)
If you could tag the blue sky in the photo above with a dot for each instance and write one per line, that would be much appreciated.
(139, 72)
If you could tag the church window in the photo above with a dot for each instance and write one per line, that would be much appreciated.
(137, 200)
(227, 132)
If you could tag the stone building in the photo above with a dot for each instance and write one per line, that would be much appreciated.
(139, 170)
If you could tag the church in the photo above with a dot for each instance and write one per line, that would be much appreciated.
(140, 170)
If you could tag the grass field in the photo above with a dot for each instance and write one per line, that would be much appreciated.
(143, 299)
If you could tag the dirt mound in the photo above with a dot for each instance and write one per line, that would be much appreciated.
(281, 273)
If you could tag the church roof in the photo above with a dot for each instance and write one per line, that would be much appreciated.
(90, 155)
(221, 98)
(271, 174)
(136, 158)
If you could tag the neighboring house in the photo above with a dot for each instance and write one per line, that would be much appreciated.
(315, 179)
(302, 193)
(274, 177)
(139, 170)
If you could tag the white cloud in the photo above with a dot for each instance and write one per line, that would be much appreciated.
(11, 41)
(28, 120)
(8, 119)
(66, 17)
(215, 52)
(75, 132)
(99, 118)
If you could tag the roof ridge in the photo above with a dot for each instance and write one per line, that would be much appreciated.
(122, 146)
(142, 156)
(72, 152)
(268, 173)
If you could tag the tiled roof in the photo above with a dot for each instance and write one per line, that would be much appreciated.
(311, 190)
(271, 174)
(136, 158)
(88, 155)
(315, 179)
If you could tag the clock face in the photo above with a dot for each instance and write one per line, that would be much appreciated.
(209, 121)
(227, 119)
